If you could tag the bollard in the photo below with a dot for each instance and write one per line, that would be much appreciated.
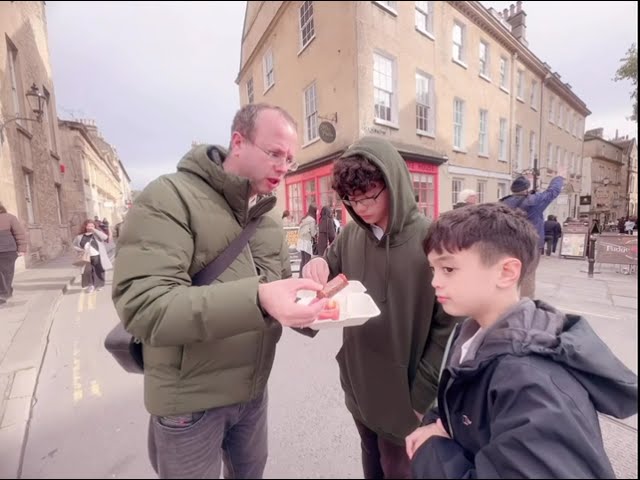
(592, 254)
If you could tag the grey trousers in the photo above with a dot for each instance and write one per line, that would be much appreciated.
(196, 445)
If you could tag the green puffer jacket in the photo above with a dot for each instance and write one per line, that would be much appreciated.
(209, 346)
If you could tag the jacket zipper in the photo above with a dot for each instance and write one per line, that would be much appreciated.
(447, 354)
(446, 405)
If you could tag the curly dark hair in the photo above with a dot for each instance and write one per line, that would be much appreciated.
(83, 227)
(494, 228)
(353, 175)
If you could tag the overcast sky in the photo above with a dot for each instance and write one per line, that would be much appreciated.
(157, 75)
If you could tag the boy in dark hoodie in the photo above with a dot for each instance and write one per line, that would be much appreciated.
(522, 385)
(388, 366)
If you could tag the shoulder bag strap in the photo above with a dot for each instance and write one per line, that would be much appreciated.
(212, 271)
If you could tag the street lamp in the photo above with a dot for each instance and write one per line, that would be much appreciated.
(37, 103)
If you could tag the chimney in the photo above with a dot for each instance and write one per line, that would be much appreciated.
(518, 21)
(616, 134)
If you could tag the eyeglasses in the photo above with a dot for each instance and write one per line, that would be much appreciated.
(365, 202)
(279, 158)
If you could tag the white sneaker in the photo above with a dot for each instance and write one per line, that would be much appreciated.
(90, 289)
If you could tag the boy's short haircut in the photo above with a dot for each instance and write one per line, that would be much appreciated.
(353, 175)
(495, 229)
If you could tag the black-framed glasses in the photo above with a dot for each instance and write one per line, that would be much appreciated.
(365, 202)
(280, 158)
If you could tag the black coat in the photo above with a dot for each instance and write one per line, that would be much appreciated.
(524, 402)
(552, 229)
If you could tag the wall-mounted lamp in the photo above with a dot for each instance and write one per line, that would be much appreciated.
(37, 102)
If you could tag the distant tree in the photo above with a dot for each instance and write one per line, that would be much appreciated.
(629, 71)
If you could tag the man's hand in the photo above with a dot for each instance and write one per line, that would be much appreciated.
(422, 434)
(317, 270)
(279, 300)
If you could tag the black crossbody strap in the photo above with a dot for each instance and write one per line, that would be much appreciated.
(212, 271)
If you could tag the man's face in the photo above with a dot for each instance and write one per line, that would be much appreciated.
(472, 200)
(264, 159)
(373, 205)
(464, 285)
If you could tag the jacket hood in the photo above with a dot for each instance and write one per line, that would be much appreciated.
(538, 328)
(402, 204)
(206, 161)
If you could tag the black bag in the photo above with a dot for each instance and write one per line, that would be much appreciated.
(127, 350)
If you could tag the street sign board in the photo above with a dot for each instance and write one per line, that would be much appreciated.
(617, 248)
(574, 239)
(327, 132)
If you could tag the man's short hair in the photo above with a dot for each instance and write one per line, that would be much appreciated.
(464, 195)
(355, 174)
(495, 229)
(244, 121)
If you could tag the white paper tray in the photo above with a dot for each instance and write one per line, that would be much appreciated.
(356, 307)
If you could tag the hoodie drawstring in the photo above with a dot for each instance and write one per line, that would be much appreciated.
(387, 271)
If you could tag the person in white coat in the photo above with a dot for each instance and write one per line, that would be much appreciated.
(307, 232)
(91, 240)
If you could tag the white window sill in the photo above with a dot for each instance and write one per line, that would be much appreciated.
(459, 150)
(484, 77)
(311, 142)
(422, 133)
(386, 8)
(551, 122)
(459, 62)
(386, 123)
(268, 88)
(483, 155)
(504, 90)
(304, 47)
(503, 160)
(535, 109)
(520, 99)
(426, 34)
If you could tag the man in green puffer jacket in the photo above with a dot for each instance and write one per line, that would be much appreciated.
(208, 350)
(389, 366)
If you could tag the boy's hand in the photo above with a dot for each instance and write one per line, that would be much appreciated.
(422, 434)
(317, 270)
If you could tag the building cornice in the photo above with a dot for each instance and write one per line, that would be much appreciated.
(82, 129)
(263, 37)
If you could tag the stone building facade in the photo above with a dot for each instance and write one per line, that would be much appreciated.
(30, 162)
(453, 85)
(95, 180)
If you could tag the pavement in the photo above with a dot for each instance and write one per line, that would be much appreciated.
(308, 422)
(25, 321)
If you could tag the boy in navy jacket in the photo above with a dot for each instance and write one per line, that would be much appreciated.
(522, 382)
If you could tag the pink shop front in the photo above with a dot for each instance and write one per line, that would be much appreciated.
(313, 186)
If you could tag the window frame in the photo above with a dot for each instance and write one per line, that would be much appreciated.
(309, 21)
